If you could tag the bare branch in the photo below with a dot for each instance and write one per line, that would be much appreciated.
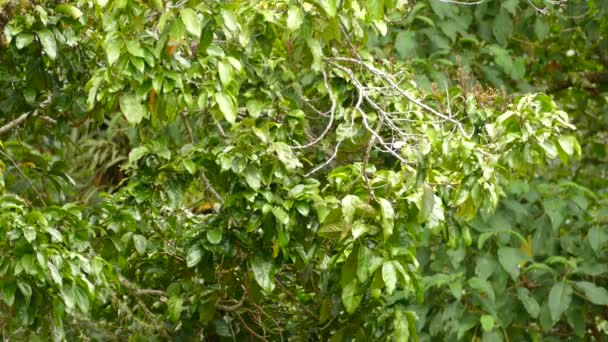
(319, 167)
(136, 290)
(211, 188)
(331, 116)
(19, 120)
(389, 78)
(230, 308)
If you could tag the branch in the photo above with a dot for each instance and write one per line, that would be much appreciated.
(211, 188)
(137, 291)
(251, 331)
(599, 78)
(29, 182)
(231, 308)
(331, 117)
(19, 120)
(394, 86)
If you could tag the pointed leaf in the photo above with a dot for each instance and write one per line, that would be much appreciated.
(388, 216)
(194, 256)
(529, 303)
(560, 297)
(132, 108)
(389, 275)
(140, 243)
(191, 22)
(596, 294)
(227, 106)
(263, 272)
(47, 40)
(294, 18)
(351, 298)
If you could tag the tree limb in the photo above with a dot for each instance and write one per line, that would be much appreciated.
(137, 291)
(599, 78)
(19, 120)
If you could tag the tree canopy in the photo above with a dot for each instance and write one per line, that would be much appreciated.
(343, 170)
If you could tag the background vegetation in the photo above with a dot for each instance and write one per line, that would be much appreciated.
(304, 170)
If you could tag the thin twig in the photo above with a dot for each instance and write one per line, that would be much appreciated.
(331, 115)
(319, 167)
(29, 182)
(251, 331)
(395, 86)
(188, 128)
(230, 308)
(211, 188)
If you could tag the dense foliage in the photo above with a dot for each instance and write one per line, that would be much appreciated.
(304, 170)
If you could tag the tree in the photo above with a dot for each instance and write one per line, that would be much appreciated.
(302, 170)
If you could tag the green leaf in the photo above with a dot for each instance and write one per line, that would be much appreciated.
(252, 177)
(349, 206)
(487, 322)
(388, 217)
(214, 236)
(140, 243)
(502, 27)
(230, 21)
(510, 258)
(191, 22)
(23, 40)
(175, 307)
(280, 215)
(82, 300)
(263, 272)
(226, 73)
(351, 298)
(405, 44)
(317, 53)
(560, 297)
(113, 48)
(541, 27)
(389, 275)
(294, 18)
(482, 286)
(330, 7)
(402, 331)
(69, 10)
(194, 256)
(428, 201)
(137, 153)
(529, 303)
(8, 292)
(375, 9)
(596, 294)
(597, 237)
(492, 336)
(363, 263)
(47, 40)
(135, 49)
(132, 108)
(25, 289)
(29, 233)
(57, 278)
(286, 155)
(254, 108)
(227, 106)
(555, 209)
(68, 295)
(510, 5)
